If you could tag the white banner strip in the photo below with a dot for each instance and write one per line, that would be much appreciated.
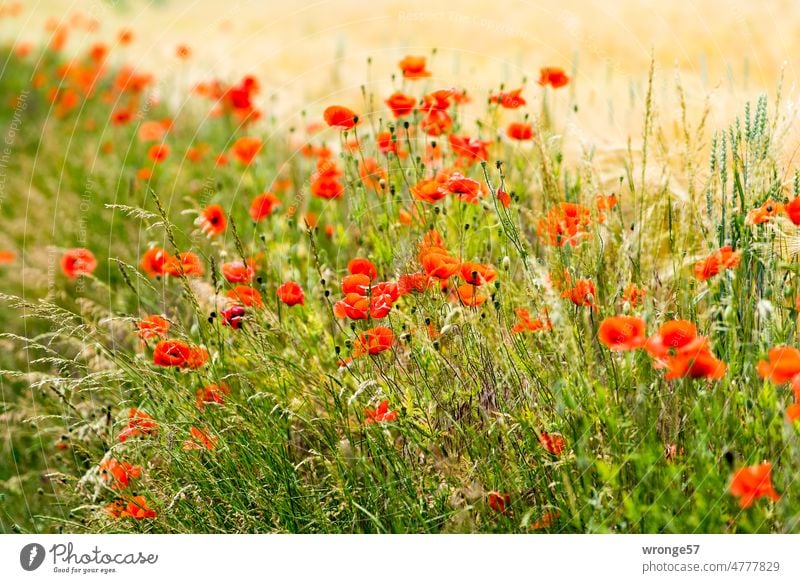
(399, 558)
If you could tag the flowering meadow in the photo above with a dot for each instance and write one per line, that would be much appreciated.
(412, 311)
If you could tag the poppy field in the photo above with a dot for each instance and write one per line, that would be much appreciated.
(407, 311)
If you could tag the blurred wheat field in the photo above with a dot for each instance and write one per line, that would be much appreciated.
(306, 52)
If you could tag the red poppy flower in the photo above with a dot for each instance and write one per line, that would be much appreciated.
(115, 508)
(477, 273)
(792, 209)
(132, 81)
(604, 203)
(7, 257)
(245, 149)
(291, 294)
(121, 116)
(436, 123)
(520, 131)
(719, 261)
(338, 116)
(212, 220)
(582, 293)
(498, 501)
(387, 143)
(401, 104)
(672, 335)
(469, 149)
(198, 356)
(509, 99)
(526, 324)
(470, 295)
(187, 264)
(373, 341)
(135, 508)
(263, 205)
(327, 188)
(553, 76)
(439, 100)
(633, 294)
(546, 520)
(152, 131)
(358, 307)
(413, 283)
(200, 440)
(796, 387)
(429, 190)
(564, 224)
(439, 264)
(325, 183)
(362, 266)
(466, 189)
(678, 348)
(379, 415)
(555, 444)
(233, 316)
(213, 393)
(158, 152)
(171, 353)
(622, 333)
(152, 327)
(504, 198)
(753, 482)
(238, 272)
(139, 423)
(356, 283)
(125, 36)
(118, 473)
(414, 67)
(695, 363)
(783, 365)
(77, 262)
(245, 295)
(353, 306)
(144, 174)
(387, 288)
(372, 174)
(197, 153)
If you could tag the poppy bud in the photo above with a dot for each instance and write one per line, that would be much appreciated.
(728, 313)
(233, 316)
